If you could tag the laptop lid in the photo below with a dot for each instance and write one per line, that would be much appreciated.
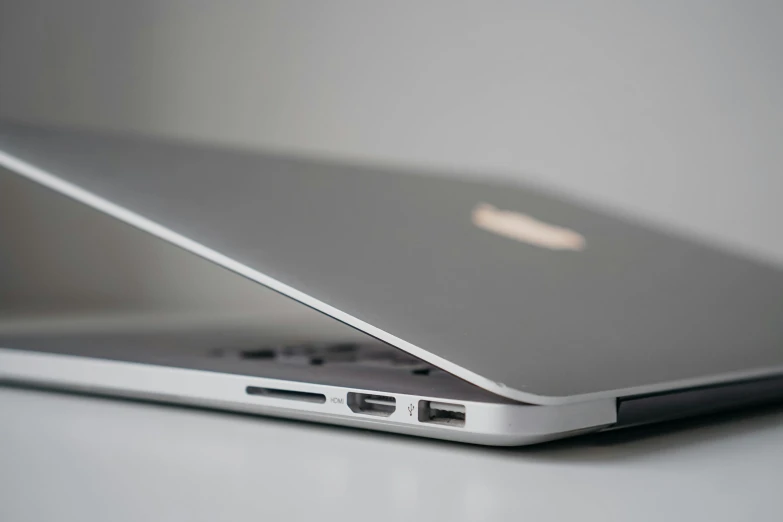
(527, 295)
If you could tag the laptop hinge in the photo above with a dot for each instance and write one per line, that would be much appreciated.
(644, 409)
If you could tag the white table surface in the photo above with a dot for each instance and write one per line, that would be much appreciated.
(68, 457)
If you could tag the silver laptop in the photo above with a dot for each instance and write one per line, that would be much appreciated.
(415, 304)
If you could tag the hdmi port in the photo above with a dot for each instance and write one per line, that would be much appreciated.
(367, 404)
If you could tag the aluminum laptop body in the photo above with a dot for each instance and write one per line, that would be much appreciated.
(462, 310)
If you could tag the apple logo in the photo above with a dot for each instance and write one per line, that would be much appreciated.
(526, 229)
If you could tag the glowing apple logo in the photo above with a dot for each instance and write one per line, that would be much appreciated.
(526, 229)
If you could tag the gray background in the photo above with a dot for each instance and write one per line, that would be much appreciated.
(668, 110)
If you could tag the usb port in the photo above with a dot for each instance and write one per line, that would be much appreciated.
(442, 413)
(381, 405)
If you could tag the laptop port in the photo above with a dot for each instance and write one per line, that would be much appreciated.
(381, 405)
(442, 413)
(290, 395)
